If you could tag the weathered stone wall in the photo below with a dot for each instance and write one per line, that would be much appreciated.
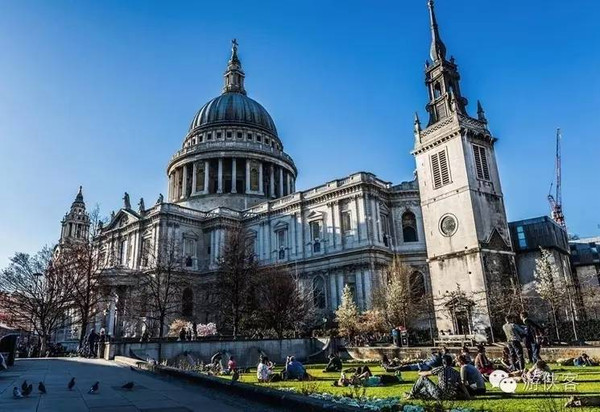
(246, 352)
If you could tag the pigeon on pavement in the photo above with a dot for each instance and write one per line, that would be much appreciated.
(17, 393)
(28, 390)
(24, 385)
(128, 385)
(42, 388)
(71, 384)
(95, 387)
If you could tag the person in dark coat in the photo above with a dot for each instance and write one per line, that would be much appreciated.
(92, 339)
(533, 337)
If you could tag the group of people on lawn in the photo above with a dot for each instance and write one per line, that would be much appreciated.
(293, 370)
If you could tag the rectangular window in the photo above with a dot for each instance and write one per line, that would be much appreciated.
(123, 252)
(440, 169)
(315, 230)
(346, 222)
(239, 135)
(258, 138)
(249, 136)
(481, 163)
(208, 136)
(521, 237)
(219, 135)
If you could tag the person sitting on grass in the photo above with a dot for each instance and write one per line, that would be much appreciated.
(263, 371)
(231, 366)
(483, 364)
(470, 377)
(506, 362)
(448, 385)
(295, 370)
(466, 354)
(334, 365)
(433, 361)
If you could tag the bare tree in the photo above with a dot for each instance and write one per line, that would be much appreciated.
(552, 290)
(401, 295)
(35, 292)
(162, 281)
(80, 264)
(282, 305)
(237, 280)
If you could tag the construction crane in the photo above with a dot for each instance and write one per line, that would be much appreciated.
(555, 200)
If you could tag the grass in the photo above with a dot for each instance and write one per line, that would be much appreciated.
(548, 400)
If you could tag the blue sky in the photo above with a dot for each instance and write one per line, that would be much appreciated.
(101, 94)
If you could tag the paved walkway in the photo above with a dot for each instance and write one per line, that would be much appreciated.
(150, 394)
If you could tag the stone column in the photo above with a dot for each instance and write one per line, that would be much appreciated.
(359, 230)
(260, 178)
(220, 177)
(340, 285)
(194, 170)
(281, 181)
(184, 184)
(110, 323)
(333, 292)
(359, 291)
(233, 175)
(289, 183)
(206, 177)
(272, 181)
(247, 175)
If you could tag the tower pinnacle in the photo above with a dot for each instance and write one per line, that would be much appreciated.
(438, 49)
(234, 75)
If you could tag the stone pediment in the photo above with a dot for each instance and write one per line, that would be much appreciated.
(496, 242)
(122, 218)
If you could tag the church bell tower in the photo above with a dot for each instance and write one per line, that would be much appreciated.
(471, 262)
(76, 223)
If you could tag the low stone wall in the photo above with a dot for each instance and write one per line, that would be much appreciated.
(550, 354)
(246, 352)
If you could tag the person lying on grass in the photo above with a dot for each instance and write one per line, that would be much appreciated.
(334, 365)
(449, 384)
(434, 361)
(364, 377)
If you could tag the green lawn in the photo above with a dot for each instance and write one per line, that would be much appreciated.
(550, 399)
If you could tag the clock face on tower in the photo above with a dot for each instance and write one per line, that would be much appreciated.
(448, 225)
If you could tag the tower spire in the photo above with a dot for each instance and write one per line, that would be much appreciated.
(234, 75)
(438, 49)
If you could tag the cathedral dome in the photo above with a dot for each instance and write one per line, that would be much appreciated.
(233, 108)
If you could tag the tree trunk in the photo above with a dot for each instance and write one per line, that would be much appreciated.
(555, 323)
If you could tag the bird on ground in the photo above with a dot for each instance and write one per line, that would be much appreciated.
(71, 384)
(28, 390)
(95, 387)
(24, 385)
(42, 388)
(17, 393)
(128, 385)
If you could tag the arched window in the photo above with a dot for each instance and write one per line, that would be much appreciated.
(417, 285)
(187, 303)
(319, 292)
(437, 90)
(409, 227)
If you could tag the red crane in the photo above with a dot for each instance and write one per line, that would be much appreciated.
(555, 201)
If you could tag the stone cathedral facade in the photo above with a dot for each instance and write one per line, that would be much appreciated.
(448, 224)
